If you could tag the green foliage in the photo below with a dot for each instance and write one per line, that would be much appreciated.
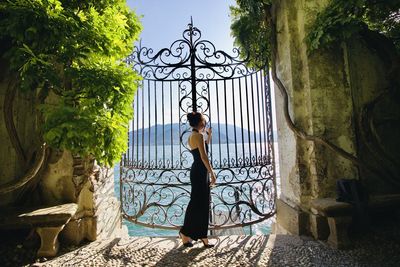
(342, 19)
(74, 49)
(251, 30)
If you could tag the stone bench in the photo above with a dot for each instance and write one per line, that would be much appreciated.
(48, 221)
(332, 219)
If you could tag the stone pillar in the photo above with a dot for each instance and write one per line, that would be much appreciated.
(320, 104)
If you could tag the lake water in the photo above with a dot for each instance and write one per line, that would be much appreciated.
(138, 230)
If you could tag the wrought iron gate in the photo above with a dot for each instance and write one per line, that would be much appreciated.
(191, 75)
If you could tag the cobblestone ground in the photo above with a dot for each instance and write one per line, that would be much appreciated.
(382, 249)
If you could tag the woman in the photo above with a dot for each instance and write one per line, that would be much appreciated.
(195, 225)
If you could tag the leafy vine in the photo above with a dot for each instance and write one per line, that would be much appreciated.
(340, 20)
(69, 53)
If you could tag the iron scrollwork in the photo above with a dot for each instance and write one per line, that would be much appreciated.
(155, 191)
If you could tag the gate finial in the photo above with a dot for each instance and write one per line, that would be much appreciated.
(191, 22)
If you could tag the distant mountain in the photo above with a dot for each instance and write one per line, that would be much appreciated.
(169, 134)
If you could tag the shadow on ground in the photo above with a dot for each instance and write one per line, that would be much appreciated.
(378, 248)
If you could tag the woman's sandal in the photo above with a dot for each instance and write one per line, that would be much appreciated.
(187, 244)
(206, 245)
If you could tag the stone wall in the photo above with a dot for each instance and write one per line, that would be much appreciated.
(65, 179)
(320, 104)
(71, 178)
(368, 70)
(326, 90)
(11, 167)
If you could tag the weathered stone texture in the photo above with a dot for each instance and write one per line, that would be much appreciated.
(65, 178)
(290, 219)
(56, 183)
(320, 104)
(82, 181)
(10, 166)
(327, 90)
(368, 70)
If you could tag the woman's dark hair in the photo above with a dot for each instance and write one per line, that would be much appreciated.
(194, 118)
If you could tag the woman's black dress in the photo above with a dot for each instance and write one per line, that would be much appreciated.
(195, 224)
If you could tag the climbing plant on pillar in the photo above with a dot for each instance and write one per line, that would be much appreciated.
(342, 19)
(377, 23)
(71, 51)
(254, 30)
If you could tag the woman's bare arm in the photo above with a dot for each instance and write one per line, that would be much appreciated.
(209, 134)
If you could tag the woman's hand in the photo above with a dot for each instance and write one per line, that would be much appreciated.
(213, 179)
(209, 131)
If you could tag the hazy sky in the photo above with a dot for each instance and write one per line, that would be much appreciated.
(165, 20)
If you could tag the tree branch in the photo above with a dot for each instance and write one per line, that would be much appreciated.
(298, 132)
(9, 120)
(40, 161)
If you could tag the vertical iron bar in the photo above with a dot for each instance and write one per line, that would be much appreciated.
(143, 125)
(259, 114)
(265, 110)
(226, 125)
(133, 131)
(127, 152)
(241, 118)
(179, 126)
(163, 121)
(270, 126)
(192, 68)
(120, 187)
(234, 120)
(148, 105)
(137, 125)
(155, 122)
(209, 111)
(248, 119)
(219, 130)
(172, 141)
(254, 116)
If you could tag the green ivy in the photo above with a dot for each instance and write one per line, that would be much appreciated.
(251, 30)
(75, 50)
(342, 19)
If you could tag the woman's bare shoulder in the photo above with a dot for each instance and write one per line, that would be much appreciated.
(195, 139)
(197, 136)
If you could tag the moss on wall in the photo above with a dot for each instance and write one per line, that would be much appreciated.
(327, 91)
(11, 167)
(320, 103)
(369, 70)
